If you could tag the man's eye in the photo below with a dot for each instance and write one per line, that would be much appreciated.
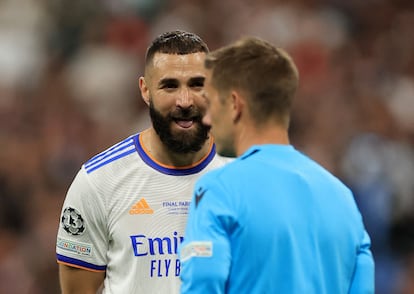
(169, 86)
(198, 84)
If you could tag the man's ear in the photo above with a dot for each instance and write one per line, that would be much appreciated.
(237, 106)
(144, 90)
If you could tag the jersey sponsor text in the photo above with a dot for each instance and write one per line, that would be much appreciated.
(159, 247)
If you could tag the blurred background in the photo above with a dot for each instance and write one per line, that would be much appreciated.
(69, 89)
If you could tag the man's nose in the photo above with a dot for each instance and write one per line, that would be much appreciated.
(185, 98)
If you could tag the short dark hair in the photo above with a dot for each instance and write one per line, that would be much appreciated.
(264, 73)
(175, 42)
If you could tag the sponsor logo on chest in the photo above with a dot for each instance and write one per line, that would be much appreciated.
(161, 251)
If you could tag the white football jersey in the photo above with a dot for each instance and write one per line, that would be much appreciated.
(125, 213)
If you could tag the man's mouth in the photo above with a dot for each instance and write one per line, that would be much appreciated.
(184, 123)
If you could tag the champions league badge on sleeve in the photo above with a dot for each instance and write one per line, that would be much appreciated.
(72, 221)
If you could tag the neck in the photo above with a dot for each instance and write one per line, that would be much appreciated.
(158, 151)
(266, 134)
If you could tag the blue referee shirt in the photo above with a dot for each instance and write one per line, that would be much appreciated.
(274, 221)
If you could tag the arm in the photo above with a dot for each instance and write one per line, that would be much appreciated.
(79, 281)
(82, 239)
(363, 278)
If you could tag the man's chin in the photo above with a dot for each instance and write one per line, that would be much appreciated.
(184, 135)
(187, 139)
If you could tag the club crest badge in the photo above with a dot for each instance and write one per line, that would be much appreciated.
(72, 221)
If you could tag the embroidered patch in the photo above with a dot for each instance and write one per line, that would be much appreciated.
(75, 247)
(72, 221)
(197, 249)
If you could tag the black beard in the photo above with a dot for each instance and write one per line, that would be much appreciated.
(179, 142)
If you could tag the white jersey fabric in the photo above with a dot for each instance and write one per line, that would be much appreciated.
(125, 214)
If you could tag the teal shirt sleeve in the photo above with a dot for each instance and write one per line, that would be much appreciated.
(205, 253)
(363, 278)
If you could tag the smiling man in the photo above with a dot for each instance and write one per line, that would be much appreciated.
(124, 215)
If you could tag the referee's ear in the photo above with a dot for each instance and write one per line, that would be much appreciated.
(237, 105)
(144, 90)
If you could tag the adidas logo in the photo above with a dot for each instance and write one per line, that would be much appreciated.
(141, 207)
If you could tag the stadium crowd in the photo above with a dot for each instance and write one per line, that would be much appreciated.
(69, 88)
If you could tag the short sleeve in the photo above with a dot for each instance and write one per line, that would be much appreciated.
(82, 238)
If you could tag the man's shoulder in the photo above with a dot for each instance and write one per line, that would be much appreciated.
(112, 154)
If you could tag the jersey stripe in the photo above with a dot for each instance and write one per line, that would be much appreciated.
(118, 151)
(89, 170)
(79, 263)
(109, 151)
